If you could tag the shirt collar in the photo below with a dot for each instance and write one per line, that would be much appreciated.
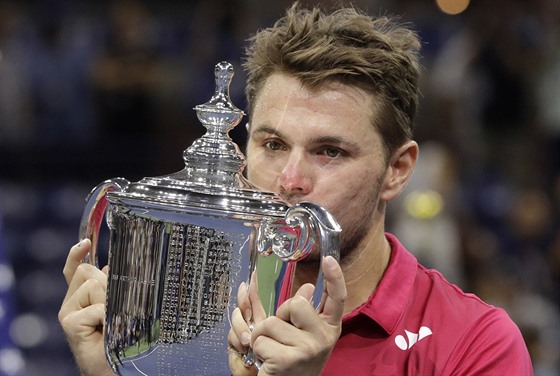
(388, 302)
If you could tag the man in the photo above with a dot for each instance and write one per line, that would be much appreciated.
(332, 99)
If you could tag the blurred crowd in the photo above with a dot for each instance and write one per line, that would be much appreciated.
(91, 90)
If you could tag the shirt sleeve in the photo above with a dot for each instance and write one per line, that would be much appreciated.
(493, 345)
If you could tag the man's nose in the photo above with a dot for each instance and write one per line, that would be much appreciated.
(295, 178)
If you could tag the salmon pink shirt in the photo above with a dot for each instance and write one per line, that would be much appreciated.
(417, 323)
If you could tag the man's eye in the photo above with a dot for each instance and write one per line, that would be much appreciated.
(273, 145)
(332, 152)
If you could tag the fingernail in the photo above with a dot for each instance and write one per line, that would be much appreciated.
(245, 338)
(331, 262)
(248, 314)
(80, 243)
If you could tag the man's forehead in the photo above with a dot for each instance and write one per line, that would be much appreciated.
(332, 88)
(342, 102)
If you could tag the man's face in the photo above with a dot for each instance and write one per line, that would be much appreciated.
(318, 146)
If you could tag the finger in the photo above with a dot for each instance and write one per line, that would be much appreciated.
(306, 291)
(300, 302)
(75, 257)
(257, 309)
(239, 337)
(105, 269)
(266, 348)
(298, 312)
(234, 342)
(238, 341)
(91, 292)
(236, 365)
(235, 360)
(302, 295)
(85, 321)
(274, 327)
(284, 345)
(333, 307)
(85, 272)
(243, 302)
(278, 343)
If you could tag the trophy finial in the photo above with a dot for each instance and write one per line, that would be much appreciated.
(214, 159)
(223, 72)
(221, 101)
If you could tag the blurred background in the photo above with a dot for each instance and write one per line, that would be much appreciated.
(91, 90)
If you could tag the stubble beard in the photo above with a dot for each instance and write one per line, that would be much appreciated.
(352, 237)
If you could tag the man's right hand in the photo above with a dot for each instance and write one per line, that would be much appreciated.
(82, 312)
(298, 340)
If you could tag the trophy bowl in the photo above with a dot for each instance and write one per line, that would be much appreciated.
(180, 244)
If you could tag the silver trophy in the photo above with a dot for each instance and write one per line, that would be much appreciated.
(180, 245)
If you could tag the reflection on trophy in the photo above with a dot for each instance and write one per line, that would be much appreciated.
(181, 244)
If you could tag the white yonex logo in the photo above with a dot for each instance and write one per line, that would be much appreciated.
(402, 342)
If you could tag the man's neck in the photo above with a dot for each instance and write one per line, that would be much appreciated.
(362, 270)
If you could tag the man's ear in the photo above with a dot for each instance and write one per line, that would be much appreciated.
(401, 165)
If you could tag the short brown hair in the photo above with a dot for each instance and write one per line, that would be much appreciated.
(377, 55)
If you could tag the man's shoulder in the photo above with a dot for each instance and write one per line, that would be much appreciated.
(464, 317)
(417, 293)
(432, 299)
(467, 331)
(439, 294)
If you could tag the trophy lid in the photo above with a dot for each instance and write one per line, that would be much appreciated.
(213, 175)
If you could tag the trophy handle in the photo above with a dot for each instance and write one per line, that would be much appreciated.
(96, 203)
(307, 225)
(316, 227)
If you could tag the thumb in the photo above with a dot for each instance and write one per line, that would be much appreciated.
(333, 307)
